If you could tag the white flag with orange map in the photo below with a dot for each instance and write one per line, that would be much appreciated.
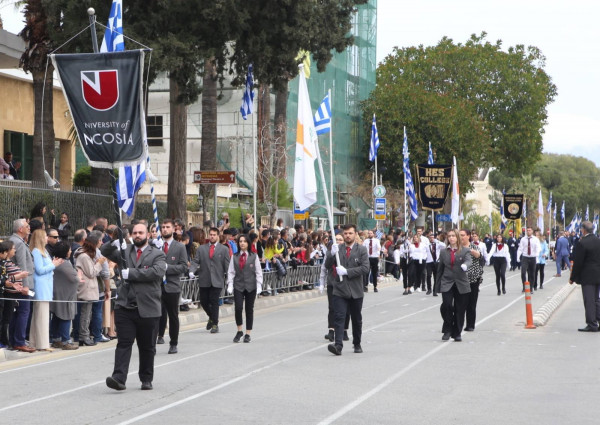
(305, 180)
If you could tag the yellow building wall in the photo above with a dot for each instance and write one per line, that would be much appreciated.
(17, 114)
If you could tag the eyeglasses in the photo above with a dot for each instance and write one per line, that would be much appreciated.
(53, 237)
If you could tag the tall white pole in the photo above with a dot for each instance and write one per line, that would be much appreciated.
(405, 225)
(331, 150)
(254, 147)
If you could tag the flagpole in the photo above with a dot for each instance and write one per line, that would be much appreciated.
(254, 146)
(405, 225)
(330, 151)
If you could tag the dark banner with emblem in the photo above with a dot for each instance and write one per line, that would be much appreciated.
(434, 184)
(513, 206)
(104, 94)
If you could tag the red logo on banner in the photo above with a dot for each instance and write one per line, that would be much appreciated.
(100, 89)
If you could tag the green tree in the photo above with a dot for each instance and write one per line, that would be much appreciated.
(474, 101)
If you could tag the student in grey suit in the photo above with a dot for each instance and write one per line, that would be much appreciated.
(348, 294)
(210, 266)
(138, 309)
(586, 272)
(171, 289)
(453, 283)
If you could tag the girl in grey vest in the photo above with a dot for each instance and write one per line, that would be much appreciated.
(244, 281)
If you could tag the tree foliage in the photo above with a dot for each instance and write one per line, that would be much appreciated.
(474, 101)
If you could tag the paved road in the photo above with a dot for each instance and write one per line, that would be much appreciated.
(499, 374)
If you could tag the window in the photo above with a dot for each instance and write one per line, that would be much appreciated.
(154, 130)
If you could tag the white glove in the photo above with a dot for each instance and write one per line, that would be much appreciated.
(192, 275)
(335, 248)
(158, 243)
(124, 246)
(258, 289)
(463, 267)
(125, 273)
(230, 288)
(341, 271)
(321, 288)
(115, 243)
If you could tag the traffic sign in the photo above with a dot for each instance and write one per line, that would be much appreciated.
(379, 191)
(214, 177)
(443, 217)
(300, 214)
(380, 208)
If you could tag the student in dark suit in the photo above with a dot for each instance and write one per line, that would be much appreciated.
(138, 309)
(452, 282)
(586, 272)
(244, 281)
(349, 293)
(210, 266)
(171, 289)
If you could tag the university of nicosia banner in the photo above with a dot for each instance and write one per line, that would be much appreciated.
(513, 206)
(434, 184)
(104, 94)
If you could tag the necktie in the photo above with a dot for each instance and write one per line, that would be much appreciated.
(139, 254)
(166, 247)
(433, 252)
(242, 260)
(529, 246)
(371, 247)
(211, 251)
(452, 257)
(348, 249)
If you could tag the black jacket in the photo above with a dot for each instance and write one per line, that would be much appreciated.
(586, 261)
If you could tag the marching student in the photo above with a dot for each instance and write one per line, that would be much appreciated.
(244, 281)
(474, 273)
(433, 254)
(417, 255)
(501, 256)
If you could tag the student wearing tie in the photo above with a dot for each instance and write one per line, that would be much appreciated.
(176, 257)
(433, 253)
(528, 252)
(374, 249)
(210, 266)
(244, 281)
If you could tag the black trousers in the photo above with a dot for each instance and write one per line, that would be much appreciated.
(143, 330)
(453, 309)
(513, 259)
(209, 300)
(404, 267)
(331, 312)
(170, 310)
(471, 308)
(528, 270)
(539, 270)
(374, 266)
(431, 271)
(341, 307)
(500, 270)
(591, 303)
(415, 273)
(239, 298)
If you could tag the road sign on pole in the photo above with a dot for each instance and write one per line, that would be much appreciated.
(380, 208)
(214, 177)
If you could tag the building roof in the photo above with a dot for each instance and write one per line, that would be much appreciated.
(11, 48)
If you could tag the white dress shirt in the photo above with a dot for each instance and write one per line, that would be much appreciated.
(376, 251)
(526, 243)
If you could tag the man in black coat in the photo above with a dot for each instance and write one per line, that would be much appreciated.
(586, 272)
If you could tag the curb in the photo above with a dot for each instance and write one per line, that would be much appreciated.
(543, 314)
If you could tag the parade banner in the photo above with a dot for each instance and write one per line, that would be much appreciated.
(434, 185)
(104, 94)
(513, 206)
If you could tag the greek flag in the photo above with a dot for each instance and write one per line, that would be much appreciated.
(502, 218)
(596, 219)
(113, 40)
(555, 207)
(410, 187)
(587, 213)
(562, 211)
(549, 206)
(525, 209)
(248, 99)
(379, 234)
(430, 156)
(374, 141)
(573, 225)
(323, 117)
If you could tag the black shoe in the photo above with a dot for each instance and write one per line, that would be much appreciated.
(499, 292)
(588, 328)
(89, 343)
(227, 301)
(209, 325)
(405, 292)
(503, 291)
(345, 338)
(334, 349)
(375, 290)
(446, 336)
(366, 289)
(469, 329)
(435, 294)
(238, 336)
(541, 286)
(160, 340)
(428, 292)
(330, 336)
(458, 338)
(214, 329)
(114, 384)
(358, 349)
(246, 338)
(146, 385)
(172, 349)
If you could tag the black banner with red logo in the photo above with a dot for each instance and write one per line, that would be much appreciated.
(104, 94)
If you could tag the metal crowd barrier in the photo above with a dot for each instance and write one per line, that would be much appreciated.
(301, 277)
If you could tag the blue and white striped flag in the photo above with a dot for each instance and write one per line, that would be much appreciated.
(374, 141)
(430, 156)
(410, 187)
(573, 225)
(549, 206)
(113, 40)
(525, 208)
(323, 117)
(587, 213)
(379, 234)
(555, 208)
(502, 218)
(248, 98)
(596, 219)
(562, 211)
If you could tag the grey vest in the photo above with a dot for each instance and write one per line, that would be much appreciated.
(245, 278)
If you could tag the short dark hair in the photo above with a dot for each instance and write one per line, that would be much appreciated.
(35, 225)
(6, 246)
(168, 221)
(90, 221)
(99, 228)
(349, 226)
(61, 249)
(265, 233)
(214, 229)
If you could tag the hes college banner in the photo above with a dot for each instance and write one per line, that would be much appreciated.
(104, 94)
